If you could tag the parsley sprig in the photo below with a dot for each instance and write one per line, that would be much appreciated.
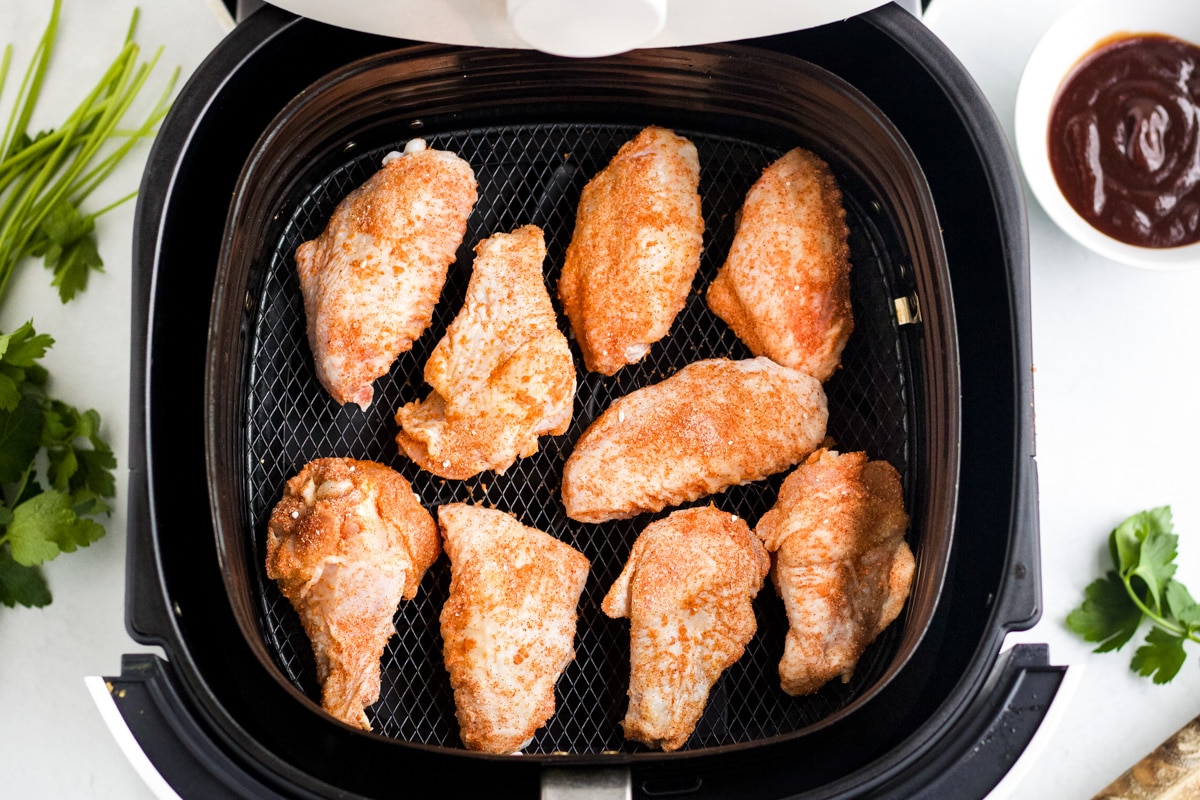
(56, 469)
(1141, 587)
(39, 523)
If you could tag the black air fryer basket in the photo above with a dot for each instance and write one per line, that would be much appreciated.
(286, 117)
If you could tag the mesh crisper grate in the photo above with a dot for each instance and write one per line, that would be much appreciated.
(534, 174)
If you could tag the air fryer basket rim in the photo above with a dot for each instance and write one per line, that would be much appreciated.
(298, 137)
(153, 584)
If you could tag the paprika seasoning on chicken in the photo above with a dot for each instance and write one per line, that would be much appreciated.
(1124, 140)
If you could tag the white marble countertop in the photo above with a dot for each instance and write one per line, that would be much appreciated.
(1116, 351)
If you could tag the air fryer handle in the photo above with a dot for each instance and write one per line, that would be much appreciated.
(147, 616)
(1019, 604)
(977, 752)
(164, 740)
(600, 783)
(983, 744)
(967, 762)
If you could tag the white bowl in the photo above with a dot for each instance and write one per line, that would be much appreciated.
(1070, 38)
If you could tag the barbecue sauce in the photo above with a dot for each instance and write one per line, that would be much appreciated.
(1125, 140)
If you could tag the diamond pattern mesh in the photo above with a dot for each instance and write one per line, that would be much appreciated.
(534, 174)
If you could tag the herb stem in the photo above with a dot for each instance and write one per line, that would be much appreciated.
(31, 84)
(1157, 618)
(64, 166)
(5, 60)
(114, 204)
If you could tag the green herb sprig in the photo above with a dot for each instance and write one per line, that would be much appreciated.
(39, 523)
(44, 179)
(1140, 587)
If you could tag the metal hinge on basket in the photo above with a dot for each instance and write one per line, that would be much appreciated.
(908, 309)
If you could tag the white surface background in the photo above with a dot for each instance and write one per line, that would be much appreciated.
(1116, 351)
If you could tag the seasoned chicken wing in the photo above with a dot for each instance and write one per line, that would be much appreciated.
(841, 563)
(687, 590)
(713, 424)
(502, 375)
(635, 249)
(785, 286)
(370, 281)
(509, 624)
(346, 542)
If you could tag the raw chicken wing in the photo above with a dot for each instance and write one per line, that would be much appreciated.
(785, 286)
(345, 544)
(841, 563)
(713, 424)
(370, 281)
(635, 249)
(687, 590)
(509, 624)
(502, 375)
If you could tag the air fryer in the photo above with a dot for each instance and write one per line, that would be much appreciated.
(286, 115)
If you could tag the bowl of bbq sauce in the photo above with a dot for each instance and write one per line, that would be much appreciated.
(1108, 129)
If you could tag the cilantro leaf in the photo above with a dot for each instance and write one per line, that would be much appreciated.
(19, 352)
(38, 524)
(79, 259)
(1181, 606)
(1160, 657)
(20, 439)
(30, 534)
(1107, 616)
(62, 225)
(1156, 563)
(33, 487)
(80, 460)
(95, 472)
(46, 525)
(24, 346)
(1141, 586)
(10, 387)
(1127, 538)
(89, 504)
(20, 584)
(66, 242)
